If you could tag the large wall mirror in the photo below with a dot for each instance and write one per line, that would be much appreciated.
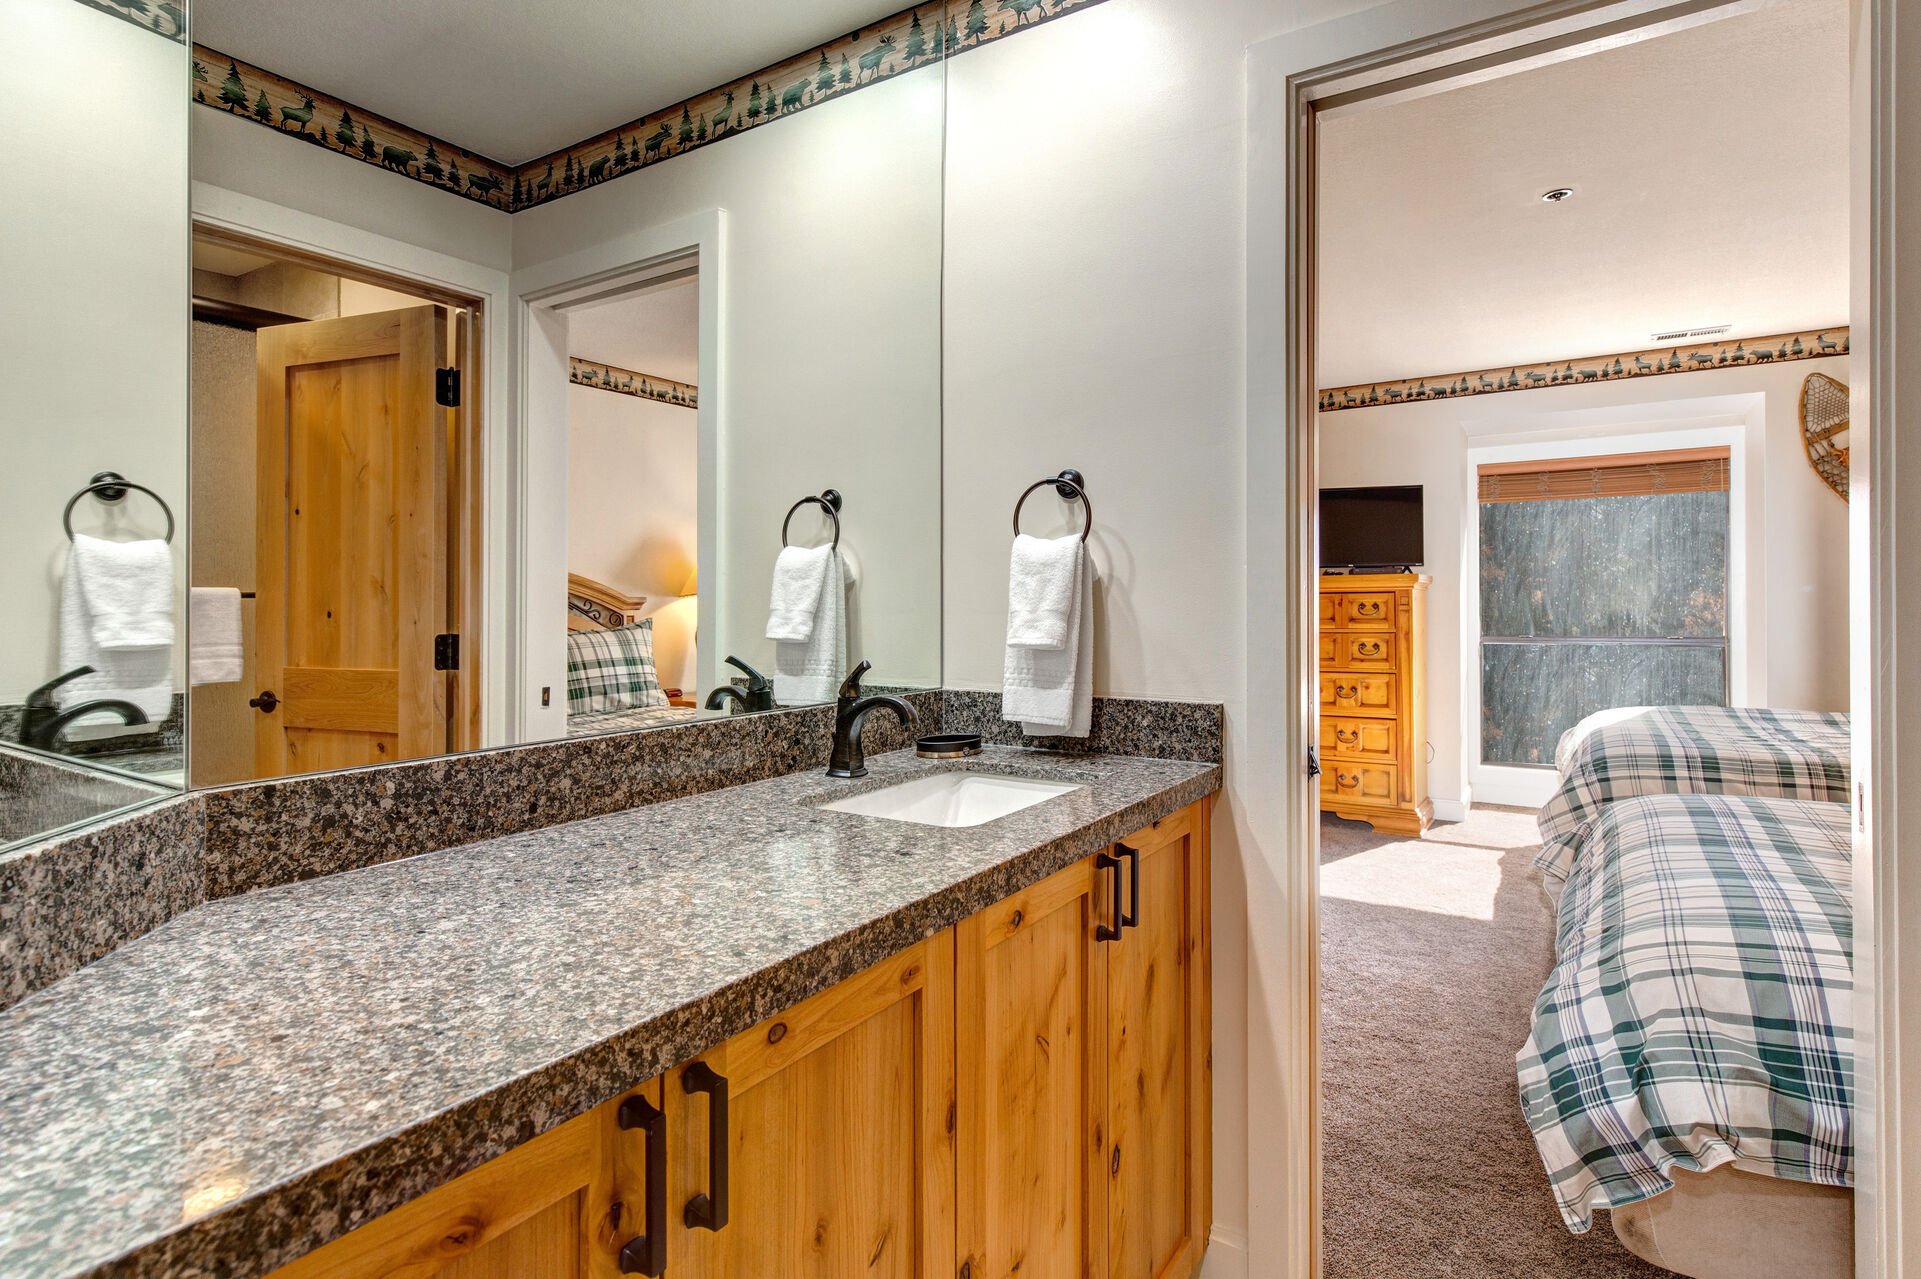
(567, 375)
(93, 403)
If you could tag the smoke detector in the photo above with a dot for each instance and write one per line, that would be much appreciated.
(1557, 195)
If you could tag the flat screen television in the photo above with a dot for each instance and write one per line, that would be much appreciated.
(1371, 528)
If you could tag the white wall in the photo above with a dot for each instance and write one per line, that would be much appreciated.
(240, 156)
(1094, 319)
(1799, 570)
(829, 369)
(93, 328)
(633, 483)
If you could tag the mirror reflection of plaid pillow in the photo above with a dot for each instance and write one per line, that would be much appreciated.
(613, 670)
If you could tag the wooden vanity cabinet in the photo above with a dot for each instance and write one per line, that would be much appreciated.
(1025, 1094)
(838, 1133)
(1086, 1070)
(563, 1206)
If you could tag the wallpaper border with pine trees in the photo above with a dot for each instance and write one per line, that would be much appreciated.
(224, 83)
(1806, 344)
(914, 38)
(166, 18)
(611, 377)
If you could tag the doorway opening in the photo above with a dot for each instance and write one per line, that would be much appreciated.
(1540, 345)
(620, 396)
(336, 490)
(633, 505)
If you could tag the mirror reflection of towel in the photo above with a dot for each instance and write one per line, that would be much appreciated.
(810, 670)
(116, 615)
(213, 635)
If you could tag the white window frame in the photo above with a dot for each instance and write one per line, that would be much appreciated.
(1608, 432)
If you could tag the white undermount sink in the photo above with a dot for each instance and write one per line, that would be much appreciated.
(951, 799)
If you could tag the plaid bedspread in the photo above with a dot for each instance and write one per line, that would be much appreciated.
(594, 722)
(1699, 1013)
(1686, 750)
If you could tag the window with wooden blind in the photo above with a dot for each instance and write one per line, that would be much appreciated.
(1603, 582)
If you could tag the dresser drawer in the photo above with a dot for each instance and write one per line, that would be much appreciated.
(1348, 782)
(1358, 651)
(1362, 739)
(1358, 694)
(1366, 611)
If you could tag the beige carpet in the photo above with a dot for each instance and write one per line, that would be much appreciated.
(1432, 952)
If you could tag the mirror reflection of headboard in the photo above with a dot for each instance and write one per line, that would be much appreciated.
(596, 606)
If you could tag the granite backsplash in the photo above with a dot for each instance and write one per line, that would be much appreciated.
(65, 902)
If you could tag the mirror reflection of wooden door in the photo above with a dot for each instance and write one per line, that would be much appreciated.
(352, 566)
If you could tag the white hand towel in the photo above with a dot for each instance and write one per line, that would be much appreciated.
(1050, 692)
(128, 590)
(1042, 580)
(811, 670)
(800, 576)
(143, 676)
(213, 635)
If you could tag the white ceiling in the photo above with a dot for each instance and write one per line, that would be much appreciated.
(655, 332)
(514, 80)
(1710, 176)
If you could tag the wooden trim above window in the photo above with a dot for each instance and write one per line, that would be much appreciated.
(1619, 475)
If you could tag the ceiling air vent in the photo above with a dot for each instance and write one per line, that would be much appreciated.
(1682, 335)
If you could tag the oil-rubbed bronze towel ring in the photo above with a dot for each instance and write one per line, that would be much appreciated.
(1070, 485)
(111, 486)
(828, 501)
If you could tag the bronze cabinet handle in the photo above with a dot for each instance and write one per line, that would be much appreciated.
(1368, 648)
(708, 1211)
(1367, 608)
(1111, 931)
(1345, 782)
(1342, 690)
(646, 1254)
(1346, 739)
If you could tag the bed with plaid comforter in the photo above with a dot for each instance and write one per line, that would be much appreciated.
(1699, 1012)
(1686, 750)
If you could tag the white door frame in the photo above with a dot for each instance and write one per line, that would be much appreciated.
(540, 388)
(1413, 47)
(223, 209)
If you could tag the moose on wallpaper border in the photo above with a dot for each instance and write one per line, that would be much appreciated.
(610, 377)
(1808, 344)
(913, 38)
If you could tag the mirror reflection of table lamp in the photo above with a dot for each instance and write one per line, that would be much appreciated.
(678, 620)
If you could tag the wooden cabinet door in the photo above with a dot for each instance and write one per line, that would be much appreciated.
(838, 1138)
(562, 1206)
(352, 542)
(1031, 977)
(1160, 1059)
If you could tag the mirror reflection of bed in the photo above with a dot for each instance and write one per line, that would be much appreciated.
(611, 647)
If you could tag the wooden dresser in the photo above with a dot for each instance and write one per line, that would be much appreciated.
(1373, 676)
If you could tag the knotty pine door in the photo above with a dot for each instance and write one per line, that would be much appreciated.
(352, 542)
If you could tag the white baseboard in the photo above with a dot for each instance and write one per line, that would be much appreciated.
(1450, 810)
(1515, 787)
(1226, 1255)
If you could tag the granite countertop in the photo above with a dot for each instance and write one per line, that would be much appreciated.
(262, 1074)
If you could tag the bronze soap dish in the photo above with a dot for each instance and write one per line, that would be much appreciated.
(948, 745)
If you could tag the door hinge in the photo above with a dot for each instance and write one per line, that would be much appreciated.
(1313, 762)
(447, 388)
(446, 652)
